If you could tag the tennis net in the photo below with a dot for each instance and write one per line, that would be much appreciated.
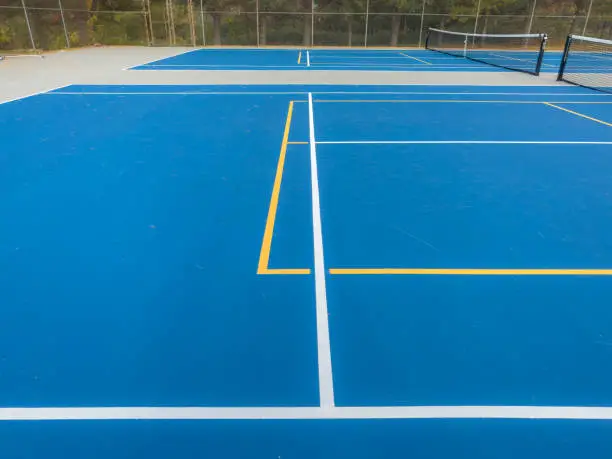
(520, 52)
(587, 62)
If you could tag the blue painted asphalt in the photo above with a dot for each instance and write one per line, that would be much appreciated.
(342, 59)
(133, 218)
(356, 439)
(130, 246)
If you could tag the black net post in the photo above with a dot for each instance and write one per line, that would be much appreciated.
(541, 55)
(568, 44)
(427, 38)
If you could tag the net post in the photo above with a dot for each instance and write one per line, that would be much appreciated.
(543, 43)
(427, 37)
(568, 44)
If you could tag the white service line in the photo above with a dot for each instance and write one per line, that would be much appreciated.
(307, 58)
(531, 61)
(361, 412)
(326, 382)
(454, 142)
(415, 58)
(221, 66)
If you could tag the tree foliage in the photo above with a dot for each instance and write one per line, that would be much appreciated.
(287, 22)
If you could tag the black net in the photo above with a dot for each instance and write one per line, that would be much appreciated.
(587, 62)
(520, 52)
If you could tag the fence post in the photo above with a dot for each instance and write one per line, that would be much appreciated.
(422, 24)
(191, 18)
(146, 21)
(365, 39)
(25, 12)
(535, 2)
(203, 24)
(477, 16)
(171, 28)
(312, 3)
(149, 22)
(64, 23)
(586, 21)
(257, 20)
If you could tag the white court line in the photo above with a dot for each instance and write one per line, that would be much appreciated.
(341, 56)
(307, 58)
(467, 142)
(46, 91)
(405, 63)
(326, 382)
(431, 67)
(428, 68)
(415, 58)
(365, 412)
(560, 94)
(222, 66)
(377, 64)
(149, 63)
(531, 61)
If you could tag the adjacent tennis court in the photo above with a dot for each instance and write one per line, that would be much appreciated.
(315, 270)
(345, 59)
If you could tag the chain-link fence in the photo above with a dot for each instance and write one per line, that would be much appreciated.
(54, 24)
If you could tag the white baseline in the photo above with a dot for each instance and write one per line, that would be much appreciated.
(483, 142)
(366, 412)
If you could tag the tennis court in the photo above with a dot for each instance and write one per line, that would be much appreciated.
(307, 271)
(344, 59)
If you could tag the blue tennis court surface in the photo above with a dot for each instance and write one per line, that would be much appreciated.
(337, 59)
(306, 271)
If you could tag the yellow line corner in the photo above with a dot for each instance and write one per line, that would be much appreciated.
(266, 245)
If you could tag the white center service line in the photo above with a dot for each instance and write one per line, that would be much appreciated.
(326, 382)
(307, 58)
